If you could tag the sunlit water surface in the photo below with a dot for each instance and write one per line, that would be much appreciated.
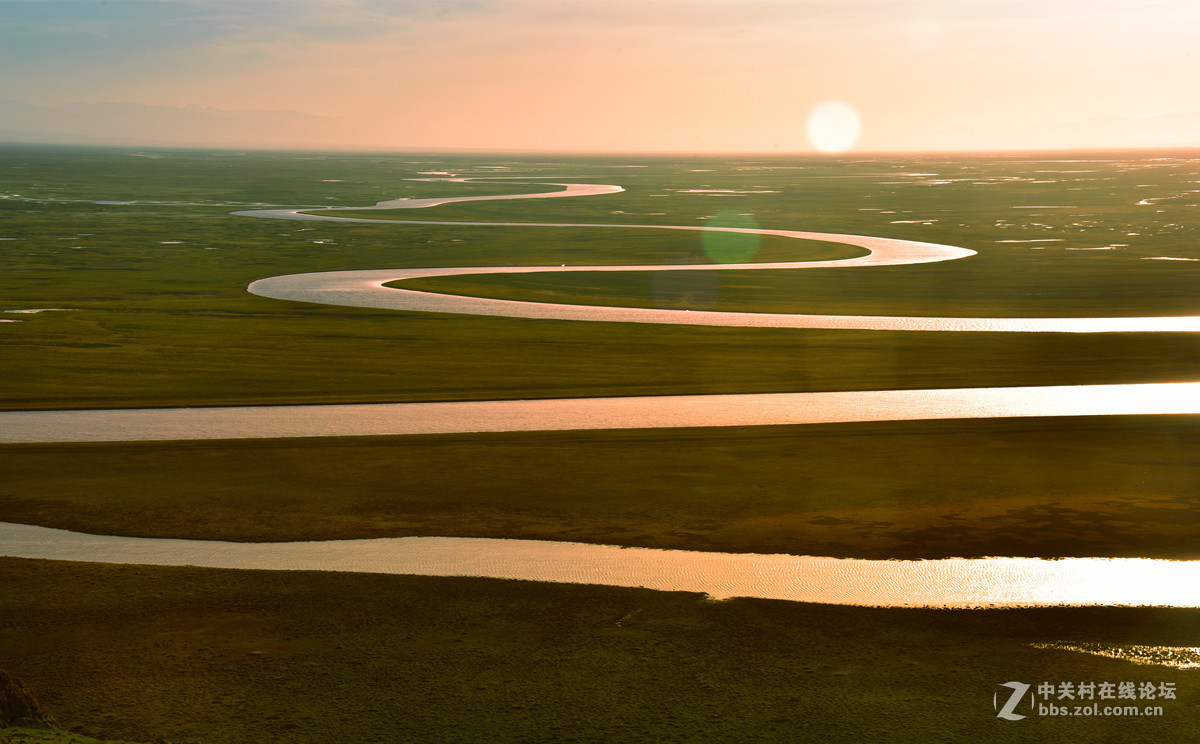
(955, 582)
(366, 288)
(564, 414)
(1179, 657)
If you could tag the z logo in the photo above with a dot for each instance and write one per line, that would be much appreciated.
(1018, 691)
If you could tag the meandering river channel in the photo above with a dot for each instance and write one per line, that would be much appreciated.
(943, 583)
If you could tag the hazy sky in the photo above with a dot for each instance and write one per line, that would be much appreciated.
(633, 75)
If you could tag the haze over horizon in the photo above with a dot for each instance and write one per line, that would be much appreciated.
(700, 76)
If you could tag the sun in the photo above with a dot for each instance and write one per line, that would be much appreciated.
(834, 126)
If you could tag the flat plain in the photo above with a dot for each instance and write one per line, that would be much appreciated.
(138, 272)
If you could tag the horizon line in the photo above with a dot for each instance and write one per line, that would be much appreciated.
(524, 152)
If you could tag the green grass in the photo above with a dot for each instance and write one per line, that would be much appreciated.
(160, 317)
(160, 323)
(1102, 486)
(1003, 286)
(25, 735)
(252, 656)
(121, 355)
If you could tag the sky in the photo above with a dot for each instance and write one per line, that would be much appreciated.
(606, 75)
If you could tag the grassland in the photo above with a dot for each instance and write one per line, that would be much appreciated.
(1097, 232)
(1033, 487)
(158, 316)
(247, 657)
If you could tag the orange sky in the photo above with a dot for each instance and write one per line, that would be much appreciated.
(634, 75)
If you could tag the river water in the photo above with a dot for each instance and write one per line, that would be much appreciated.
(986, 582)
(955, 582)
(565, 414)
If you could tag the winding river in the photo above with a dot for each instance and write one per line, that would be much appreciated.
(943, 583)
(367, 288)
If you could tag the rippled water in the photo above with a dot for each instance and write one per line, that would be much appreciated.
(956, 582)
(1180, 657)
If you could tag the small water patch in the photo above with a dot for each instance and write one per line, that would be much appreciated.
(1179, 657)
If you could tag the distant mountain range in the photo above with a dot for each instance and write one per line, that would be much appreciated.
(137, 124)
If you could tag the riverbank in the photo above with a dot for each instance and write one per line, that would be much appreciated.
(1057, 487)
(236, 656)
(153, 269)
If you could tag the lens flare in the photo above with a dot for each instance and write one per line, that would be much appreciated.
(834, 126)
(723, 246)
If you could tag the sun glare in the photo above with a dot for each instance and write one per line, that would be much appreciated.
(834, 126)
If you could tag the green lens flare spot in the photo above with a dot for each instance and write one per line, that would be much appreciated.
(725, 243)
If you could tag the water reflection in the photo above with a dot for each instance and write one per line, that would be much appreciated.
(1179, 657)
(954, 583)
(991, 582)
(367, 288)
(569, 414)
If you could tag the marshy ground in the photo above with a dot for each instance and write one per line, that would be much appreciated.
(142, 252)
